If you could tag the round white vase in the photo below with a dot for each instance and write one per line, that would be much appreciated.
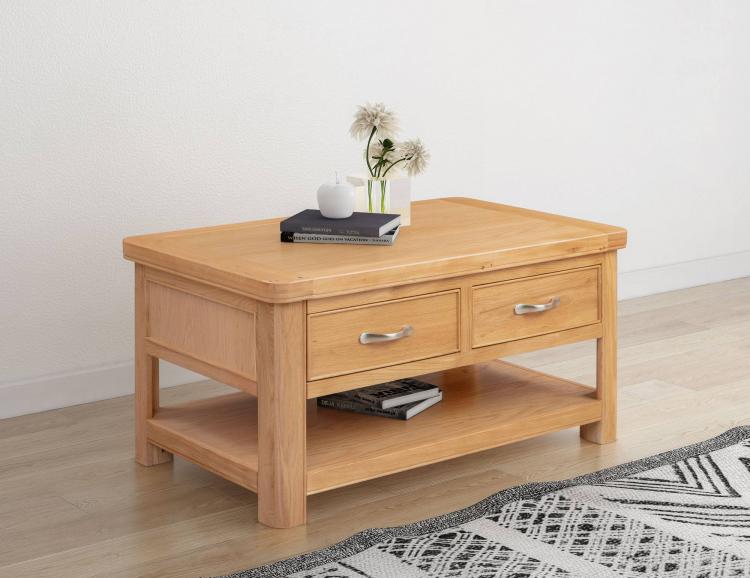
(336, 200)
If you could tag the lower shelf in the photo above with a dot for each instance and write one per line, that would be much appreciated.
(484, 406)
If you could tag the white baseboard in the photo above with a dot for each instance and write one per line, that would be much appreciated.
(63, 390)
(683, 275)
(55, 391)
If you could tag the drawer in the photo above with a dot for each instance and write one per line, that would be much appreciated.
(333, 337)
(566, 300)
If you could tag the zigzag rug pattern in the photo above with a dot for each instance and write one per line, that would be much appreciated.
(684, 513)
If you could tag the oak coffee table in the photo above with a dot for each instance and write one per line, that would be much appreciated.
(468, 282)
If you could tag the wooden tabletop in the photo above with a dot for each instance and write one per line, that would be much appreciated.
(448, 237)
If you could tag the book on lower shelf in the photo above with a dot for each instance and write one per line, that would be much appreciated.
(400, 399)
(395, 393)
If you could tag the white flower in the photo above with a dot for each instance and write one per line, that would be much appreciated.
(375, 116)
(415, 155)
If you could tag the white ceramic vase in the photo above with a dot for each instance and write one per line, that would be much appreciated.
(397, 197)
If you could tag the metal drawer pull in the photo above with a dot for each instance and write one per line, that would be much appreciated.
(367, 337)
(524, 308)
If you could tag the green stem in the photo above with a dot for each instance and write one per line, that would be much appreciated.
(380, 165)
(393, 164)
(367, 151)
(383, 185)
(378, 168)
(369, 195)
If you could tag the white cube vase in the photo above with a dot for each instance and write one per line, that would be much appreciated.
(397, 196)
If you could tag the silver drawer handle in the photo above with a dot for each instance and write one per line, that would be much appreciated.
(367, 337)
(524, 308)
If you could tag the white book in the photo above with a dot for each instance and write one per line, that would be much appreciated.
(423, 405)
(388, 239)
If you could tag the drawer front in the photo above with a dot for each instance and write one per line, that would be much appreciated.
(333, 337)
(562, 301)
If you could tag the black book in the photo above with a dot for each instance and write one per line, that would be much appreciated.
(396, 393)
(358, 225)
(348, 402)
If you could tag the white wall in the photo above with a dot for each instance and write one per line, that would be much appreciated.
(129, 117)
(630, 112)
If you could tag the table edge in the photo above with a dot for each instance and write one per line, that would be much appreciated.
(604, 238)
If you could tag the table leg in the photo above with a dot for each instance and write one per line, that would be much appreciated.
(146, 380)
(605, 431)
(282, 403)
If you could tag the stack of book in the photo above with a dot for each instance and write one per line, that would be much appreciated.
(400, 399)
(310, 226)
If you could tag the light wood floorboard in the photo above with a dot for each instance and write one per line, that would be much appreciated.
(74, 503)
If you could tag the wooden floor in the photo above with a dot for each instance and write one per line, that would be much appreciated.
(74, 503)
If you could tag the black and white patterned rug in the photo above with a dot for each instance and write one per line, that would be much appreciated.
(684, 513)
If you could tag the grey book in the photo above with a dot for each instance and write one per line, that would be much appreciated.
(348, 402)
(388, 239)
(396, 393)
(358, 225)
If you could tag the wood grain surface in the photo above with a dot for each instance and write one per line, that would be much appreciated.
(447, 237)
(73, 503)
